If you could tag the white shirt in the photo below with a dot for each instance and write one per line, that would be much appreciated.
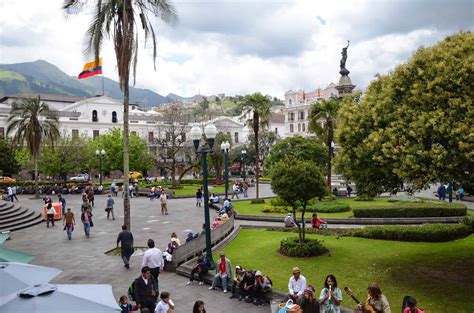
(10, 191)
(297, 285)
(162, 307)
(153, 258)
(163, 197)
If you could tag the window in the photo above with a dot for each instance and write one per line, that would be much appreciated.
(276, 130)
(94, 116)
(290, 102)
(292, 116)
(95, 134)
(75, 133)
(183, 137)
(301, 115)
(228, 134)
(236, 137)
(2, 132)
(299, 128)
(291, 128)
(150, 137)
(304, 127)
(114, 117)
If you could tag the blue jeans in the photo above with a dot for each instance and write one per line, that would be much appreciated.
(224, 281)
(246, 195)
(69, 231)
(87, 229)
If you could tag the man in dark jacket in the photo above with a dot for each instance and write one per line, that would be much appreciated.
(145, 290)
(126, 239)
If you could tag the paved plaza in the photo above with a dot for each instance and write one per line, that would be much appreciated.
(83, 260)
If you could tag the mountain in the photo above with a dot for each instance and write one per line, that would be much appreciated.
(43, 77)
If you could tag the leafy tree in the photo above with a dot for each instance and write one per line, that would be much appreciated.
(8, 163)
(297, 182)
(323, 122)
(173, 149)
(266, 141)
(217, 157)
(68, 156)
(31, 120)
(415, 123)
(112, 143)
(299, 148)
(118, 19)
(258, 107)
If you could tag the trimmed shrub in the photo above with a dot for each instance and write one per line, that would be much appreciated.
(276, 209)
(329, 207)
(278, 202)
(257, 201)
(412, 209)
(425, 233)
(310, 247)
(364, 198)
(469, 221)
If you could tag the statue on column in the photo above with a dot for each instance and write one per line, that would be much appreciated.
(344, 56)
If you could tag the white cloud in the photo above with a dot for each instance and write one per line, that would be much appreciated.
(242, 47)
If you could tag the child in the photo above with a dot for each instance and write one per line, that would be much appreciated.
(125, 306)
(411, 306)
(165, 305)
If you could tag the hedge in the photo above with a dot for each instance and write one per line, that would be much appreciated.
(310, 247)
(424, 233)
(412, 209)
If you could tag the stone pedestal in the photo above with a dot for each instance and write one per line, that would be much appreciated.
(345, 85)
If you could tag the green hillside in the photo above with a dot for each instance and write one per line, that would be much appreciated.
(9, 75)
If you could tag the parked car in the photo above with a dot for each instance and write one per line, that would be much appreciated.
(6, 179)
(80, 177)
(135, 175)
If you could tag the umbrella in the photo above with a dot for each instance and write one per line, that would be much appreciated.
(17, 276)
(61, 298)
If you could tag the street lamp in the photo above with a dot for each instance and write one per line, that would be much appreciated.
(100, 155)
(244, 155)
(210, 131)
(225, 147)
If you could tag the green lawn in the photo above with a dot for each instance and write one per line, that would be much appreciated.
(439, 275)
(246, 208)
(189, 190)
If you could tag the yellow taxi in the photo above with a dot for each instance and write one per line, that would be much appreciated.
(6, 179)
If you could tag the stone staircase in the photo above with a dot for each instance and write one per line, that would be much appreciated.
(14, 217)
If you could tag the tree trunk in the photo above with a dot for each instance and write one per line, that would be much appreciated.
(303, 222)
(257, 170)
(297, 224)
(173, 173)
(126, 170)
(35, 160)
(329, 144)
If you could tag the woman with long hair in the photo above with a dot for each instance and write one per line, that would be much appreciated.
(376, 299)
(331, 296)
(199, 307)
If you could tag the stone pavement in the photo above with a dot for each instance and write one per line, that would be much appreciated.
(83, 260)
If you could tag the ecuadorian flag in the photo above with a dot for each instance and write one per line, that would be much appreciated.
(91, 69)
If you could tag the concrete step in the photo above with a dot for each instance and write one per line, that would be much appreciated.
(20, 216)
(37, 219)
(11, 211)
(6, 206)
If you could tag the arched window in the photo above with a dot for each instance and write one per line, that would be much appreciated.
(291, 128)
(94, 116)
(299, 128)
(114, 117)
(290, 102)
(304, 127)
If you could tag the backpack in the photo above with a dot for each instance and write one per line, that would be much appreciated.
(131, 291)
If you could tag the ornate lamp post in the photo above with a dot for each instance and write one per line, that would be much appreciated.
(225, 147)
(100, 155)
(210, 131)
(244, 155)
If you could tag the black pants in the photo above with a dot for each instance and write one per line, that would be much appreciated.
(200, 274)
(155, 272)
(234, 288)
(50, 218)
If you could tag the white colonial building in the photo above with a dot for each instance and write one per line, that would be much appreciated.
(297, 105)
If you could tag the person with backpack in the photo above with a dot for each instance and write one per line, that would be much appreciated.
(145, 290)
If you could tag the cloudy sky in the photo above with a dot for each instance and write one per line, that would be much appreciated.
(239, 47)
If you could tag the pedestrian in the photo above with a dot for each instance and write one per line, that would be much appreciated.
(199, 307)
(110, 207)
(86, 219)
(125, 238)
(153, 258)
(145, 291)
(50, 213)
(235, 190)
(245, 188)
(442, 192)
(349, 191)
(10, 193)
(69, 222)
(163, 201)
(62, 201)
(86, 206)
(14, 194)
(199, 197)
(90, 196)
(166, 304)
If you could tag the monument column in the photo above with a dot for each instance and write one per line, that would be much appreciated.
(345, 85)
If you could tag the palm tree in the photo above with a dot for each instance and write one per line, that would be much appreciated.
(323, 122)
(258, 108)
(118, 19)
(32, 121)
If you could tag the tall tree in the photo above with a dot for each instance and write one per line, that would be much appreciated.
(31, 120)
(323, 122)
(8, 163)
(258, 107)
(217, 157)
(118, 20)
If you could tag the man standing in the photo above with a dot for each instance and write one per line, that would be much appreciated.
(62, 201)
(126, 239)
(235, 190)
(223, 272)
(153, 258)
(145, 290)
(14, 193)
(69, 222)
(110, 207)
(164, 202)
(296, 287)
(10, 193)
